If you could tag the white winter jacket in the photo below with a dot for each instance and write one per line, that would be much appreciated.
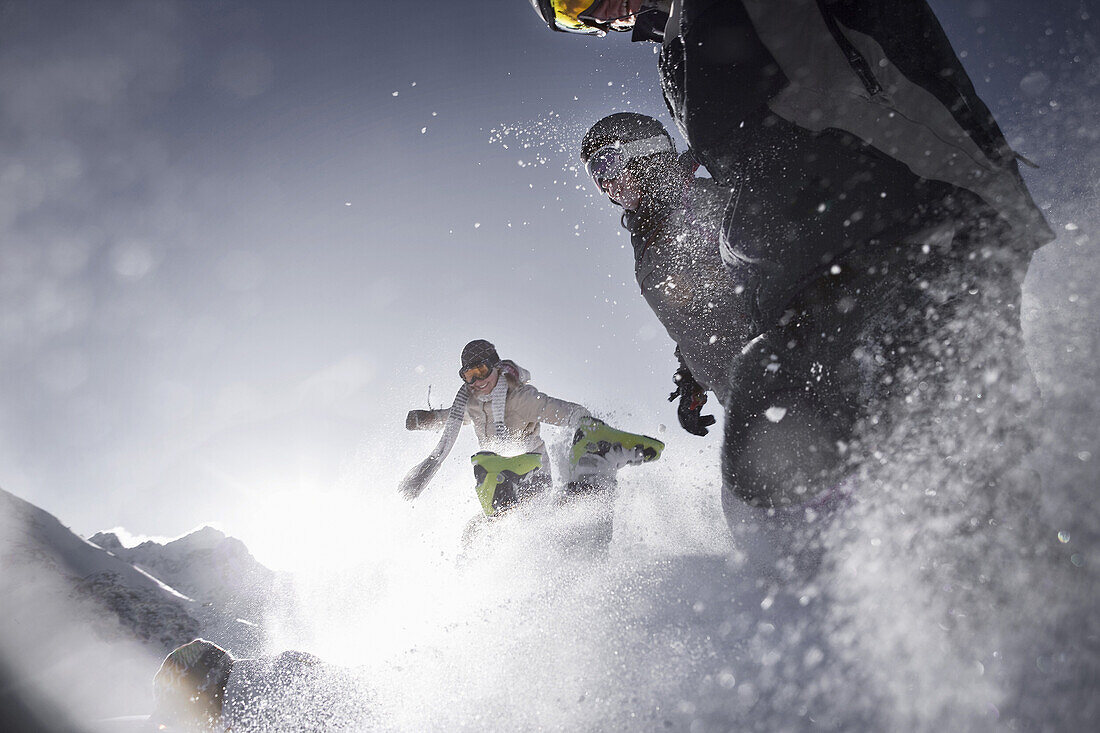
(525, 408)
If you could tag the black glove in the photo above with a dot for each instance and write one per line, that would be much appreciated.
(692, 398)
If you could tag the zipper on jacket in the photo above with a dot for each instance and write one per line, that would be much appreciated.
(856, 61)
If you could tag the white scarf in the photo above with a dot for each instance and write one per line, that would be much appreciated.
(458, 412)
(416, 480)
(496, 398)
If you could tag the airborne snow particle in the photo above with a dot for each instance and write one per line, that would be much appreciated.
(775, 414)
(395, 94)
(132, 260)
(1034, 83)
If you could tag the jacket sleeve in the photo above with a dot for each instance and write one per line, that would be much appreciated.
(539, 407)
(433, 419)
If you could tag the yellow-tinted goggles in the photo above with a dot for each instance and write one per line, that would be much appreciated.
(475, 373)
(563, 15)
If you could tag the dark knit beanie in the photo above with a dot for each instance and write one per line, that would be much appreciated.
(479, 352)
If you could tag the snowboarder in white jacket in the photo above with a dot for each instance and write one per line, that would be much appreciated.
(507, 413)
(500, 386)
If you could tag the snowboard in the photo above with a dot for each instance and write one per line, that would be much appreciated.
(596, 436)
(504, 480)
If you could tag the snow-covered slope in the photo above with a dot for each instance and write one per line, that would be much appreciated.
(73, 617)
(78, 617)
(207, 566)
(34, 542)
(236, 595)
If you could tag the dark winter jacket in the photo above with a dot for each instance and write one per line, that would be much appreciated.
(839, 125)
(682, 278)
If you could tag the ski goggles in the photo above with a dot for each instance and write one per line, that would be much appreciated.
(571, 16)
(609, 162)
(475, 373)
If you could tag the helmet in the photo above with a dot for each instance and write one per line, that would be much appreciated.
(565, 15)
(619, 128)
(617, 141)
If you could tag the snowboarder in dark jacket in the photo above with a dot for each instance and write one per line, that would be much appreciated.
(875, 206)
(674, 219)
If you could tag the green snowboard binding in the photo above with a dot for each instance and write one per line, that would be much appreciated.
(597, 437)
(504, 481)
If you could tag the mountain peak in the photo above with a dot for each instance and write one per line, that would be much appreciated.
(107, 540)
(204, 538)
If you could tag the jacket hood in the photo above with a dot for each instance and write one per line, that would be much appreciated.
(514, 371)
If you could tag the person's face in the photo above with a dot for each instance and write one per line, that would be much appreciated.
(625, 190)
(604, 12)
(485, 386)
